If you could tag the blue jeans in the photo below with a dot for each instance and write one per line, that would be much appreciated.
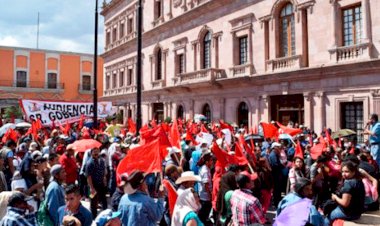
(375, 149)
(337, 213)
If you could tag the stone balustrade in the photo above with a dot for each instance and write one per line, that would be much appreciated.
(120, 90)
(204, 75)
(158, 84)
(284, 63)
(241, 70)
(351, 53)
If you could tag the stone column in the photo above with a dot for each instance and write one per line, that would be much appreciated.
(334, 14)
(366, 19)
(319, 112)
(264, 108)
(308, 110)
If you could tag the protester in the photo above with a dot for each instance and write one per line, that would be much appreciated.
(55, 194)
(96, 179)
(350, 201)
(7, 154)
(108, 218)
(186, 208)
(374, 138)
(205, 188)
(296, 172)
(68, 163)
(246, 209)
(19, 212)
(186, 180)
(74, 207)
(138, 208)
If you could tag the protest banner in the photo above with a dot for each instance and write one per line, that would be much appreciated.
(62, 112)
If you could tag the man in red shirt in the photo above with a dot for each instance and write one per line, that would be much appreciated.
(68, 163)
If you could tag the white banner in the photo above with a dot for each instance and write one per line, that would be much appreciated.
(61, 112)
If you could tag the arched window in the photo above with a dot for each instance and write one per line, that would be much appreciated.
(242, 114)
(206, 111)
(287, 31)
(180, 112)
(159, 64)
(207, 50)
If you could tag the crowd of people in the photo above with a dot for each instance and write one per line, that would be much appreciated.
(217, 175)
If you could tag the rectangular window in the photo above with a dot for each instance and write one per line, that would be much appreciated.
(108, 82)
(243, 50)
(21, 79)
(52, 80)
(108, 38)
(129, 76)
(351, 117)
(114, 81)
(86, 82)
(352, 26)
(121, 78)
(181, 63)
(121, 30)
(157, 9)
(114, 34)
(130, 25)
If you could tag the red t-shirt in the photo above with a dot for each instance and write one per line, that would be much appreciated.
(70, 166)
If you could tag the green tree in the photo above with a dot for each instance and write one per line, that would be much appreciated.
(12, 111)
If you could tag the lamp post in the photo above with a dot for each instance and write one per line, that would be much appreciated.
(95, 70)
(138, 67)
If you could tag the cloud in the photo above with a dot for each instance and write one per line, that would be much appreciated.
(65, 25)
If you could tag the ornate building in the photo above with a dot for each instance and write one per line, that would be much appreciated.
(45, 75)
(302, 61)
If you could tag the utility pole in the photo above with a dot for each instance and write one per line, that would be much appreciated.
(38, 28)
(138, 66)
(95, 70)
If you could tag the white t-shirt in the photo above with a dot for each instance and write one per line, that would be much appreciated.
(205, 175)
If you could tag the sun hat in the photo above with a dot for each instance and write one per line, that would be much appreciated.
(188, 176)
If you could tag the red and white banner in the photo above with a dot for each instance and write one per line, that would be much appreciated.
(62, 112)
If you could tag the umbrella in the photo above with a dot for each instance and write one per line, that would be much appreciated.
(294, 214)
(85, 144)
(5, 128)
(254, 137)
(23, 125)
(199, 117)
(342, 133)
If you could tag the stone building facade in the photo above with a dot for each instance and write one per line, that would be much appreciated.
(309, 62)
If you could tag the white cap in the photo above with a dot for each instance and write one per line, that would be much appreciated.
(275, 144)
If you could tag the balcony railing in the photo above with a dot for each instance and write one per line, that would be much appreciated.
(350, 53)
(121, 41)
(241, 70)
(284, 63)
(158, 84)
(204, 75)
(120, 90)
(32, 84)
(85, 88)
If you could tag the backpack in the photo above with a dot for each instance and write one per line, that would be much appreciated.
(43, 216)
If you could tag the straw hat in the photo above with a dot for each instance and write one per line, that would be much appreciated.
(187, 176)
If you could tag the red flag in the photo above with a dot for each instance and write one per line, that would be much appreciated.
(175, 137)
(299, 152)
(330, 141)
(10, 135)
(190, 138)
(145, 158)
(131, 126)
(316, 150)
(222, 156)
(172, 195)
(287, 130)
(53, 124)
(152, 134)
(224, 125)
(239, 155)
(249, 150)
(153, 123)
(38, 124)
(203, 129)
(81, 122)
(269, 130)
(67, 128)
(166, 127)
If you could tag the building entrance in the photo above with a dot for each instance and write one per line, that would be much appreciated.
(287, 109)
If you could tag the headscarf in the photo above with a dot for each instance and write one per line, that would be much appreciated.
(185, 204)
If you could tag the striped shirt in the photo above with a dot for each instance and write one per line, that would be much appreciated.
(16, 217)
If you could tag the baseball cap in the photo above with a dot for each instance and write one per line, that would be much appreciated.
(106, 216)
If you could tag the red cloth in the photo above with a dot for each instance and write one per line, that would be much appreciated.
(131, 126)
(152, 134)
(270, 131)
(172, 195)
(287, 130)
(145, 158)
(338, 222)
(70, 166)
(239, 155)
(330, 141)
(10, 135)
(203, 129)
(81, 122)
(224, 125)
(249, 150)
(299, 151)
(67, 128)
(316, 150)
(175, 137)
(223, 157)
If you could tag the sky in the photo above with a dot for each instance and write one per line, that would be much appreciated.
(65, 25)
